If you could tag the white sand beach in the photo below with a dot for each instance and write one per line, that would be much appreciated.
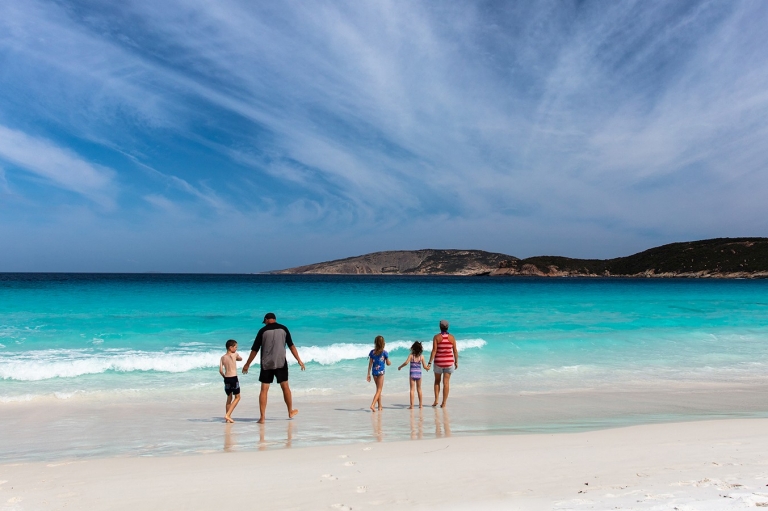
(702, 465)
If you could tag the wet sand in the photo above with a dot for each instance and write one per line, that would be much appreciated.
(701, 465)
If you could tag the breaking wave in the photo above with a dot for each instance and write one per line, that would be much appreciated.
(47, 364)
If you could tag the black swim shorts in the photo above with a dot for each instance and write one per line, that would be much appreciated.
(268, 375)
(231, 385)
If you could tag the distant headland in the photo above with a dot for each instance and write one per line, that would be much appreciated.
(714, 258)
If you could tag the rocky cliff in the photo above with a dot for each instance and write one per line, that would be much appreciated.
(715, 258)
(410, 262)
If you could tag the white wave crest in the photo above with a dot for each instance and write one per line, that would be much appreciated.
(44, 365)
(327, 355)
(70, 363)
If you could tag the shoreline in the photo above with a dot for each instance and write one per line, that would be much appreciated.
(716, 464)
(170, 424)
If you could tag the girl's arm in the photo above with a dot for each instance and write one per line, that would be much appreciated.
(424, 363)
(407, 361)
(370, 363)
(389, 362)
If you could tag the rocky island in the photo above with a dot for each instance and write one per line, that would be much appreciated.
(714, 258)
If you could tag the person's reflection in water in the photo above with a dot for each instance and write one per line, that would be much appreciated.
(376, 425)
(262, 434)
(264, 445)
(417, 424)
(230, 439)
(442, 423)
(446, 421)
(289, 435)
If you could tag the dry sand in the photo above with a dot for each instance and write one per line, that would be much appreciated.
(720, 464)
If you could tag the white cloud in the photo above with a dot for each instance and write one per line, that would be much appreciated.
(60, 166)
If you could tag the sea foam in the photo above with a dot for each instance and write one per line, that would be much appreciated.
(47, 364)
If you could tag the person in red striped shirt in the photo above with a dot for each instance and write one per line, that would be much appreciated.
(446, 358)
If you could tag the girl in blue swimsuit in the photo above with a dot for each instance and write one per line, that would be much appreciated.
(378, 359)
(416, 361)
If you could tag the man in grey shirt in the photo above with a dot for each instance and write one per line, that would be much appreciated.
(272, 340)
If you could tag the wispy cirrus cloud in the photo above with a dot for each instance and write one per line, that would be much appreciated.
(396, 124)
(57, 165)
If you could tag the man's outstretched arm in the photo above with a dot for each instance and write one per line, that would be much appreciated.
(248, 362)
(295, 354)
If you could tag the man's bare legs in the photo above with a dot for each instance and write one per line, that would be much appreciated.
(263, 402)
(446, 388)
(231, 404)
(288, 397)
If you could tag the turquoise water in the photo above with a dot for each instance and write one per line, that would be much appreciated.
(75, 336)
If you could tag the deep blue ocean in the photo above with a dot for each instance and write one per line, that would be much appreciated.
(77, 335)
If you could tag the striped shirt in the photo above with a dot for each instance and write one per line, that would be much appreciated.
(444, 355)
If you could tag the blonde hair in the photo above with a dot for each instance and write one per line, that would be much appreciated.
(378, 344)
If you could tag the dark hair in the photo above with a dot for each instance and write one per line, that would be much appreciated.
(417, 348)
(378, 344)
(231, 342)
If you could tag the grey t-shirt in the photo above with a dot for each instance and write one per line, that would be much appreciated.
(272, 340)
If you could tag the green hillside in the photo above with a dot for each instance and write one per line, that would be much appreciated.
(720, 255)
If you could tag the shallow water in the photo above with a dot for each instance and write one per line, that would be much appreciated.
(92, 340)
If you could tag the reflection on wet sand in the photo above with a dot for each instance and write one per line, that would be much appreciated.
(263, 444)
(417, 424)
(376, 425)
(230, 439)
(442, 423)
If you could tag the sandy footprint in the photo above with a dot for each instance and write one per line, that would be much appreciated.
(343, 507)
(362, 489)
(343, 455)
(328, 477)
(14, 500)
(367, 448)
(349, 464)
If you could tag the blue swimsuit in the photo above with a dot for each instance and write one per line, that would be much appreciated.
(416, 368)
(379, 362)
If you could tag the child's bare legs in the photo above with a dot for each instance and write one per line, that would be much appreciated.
(418, 390)
(437, 387)
(413, 389)
(379, 380)
(231, 404)
(446, 388)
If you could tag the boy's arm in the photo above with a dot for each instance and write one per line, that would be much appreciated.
(370, 363)
(239, 358)
(296, 356)
(221, 366)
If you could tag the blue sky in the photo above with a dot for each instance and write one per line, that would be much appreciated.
(239, 136)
